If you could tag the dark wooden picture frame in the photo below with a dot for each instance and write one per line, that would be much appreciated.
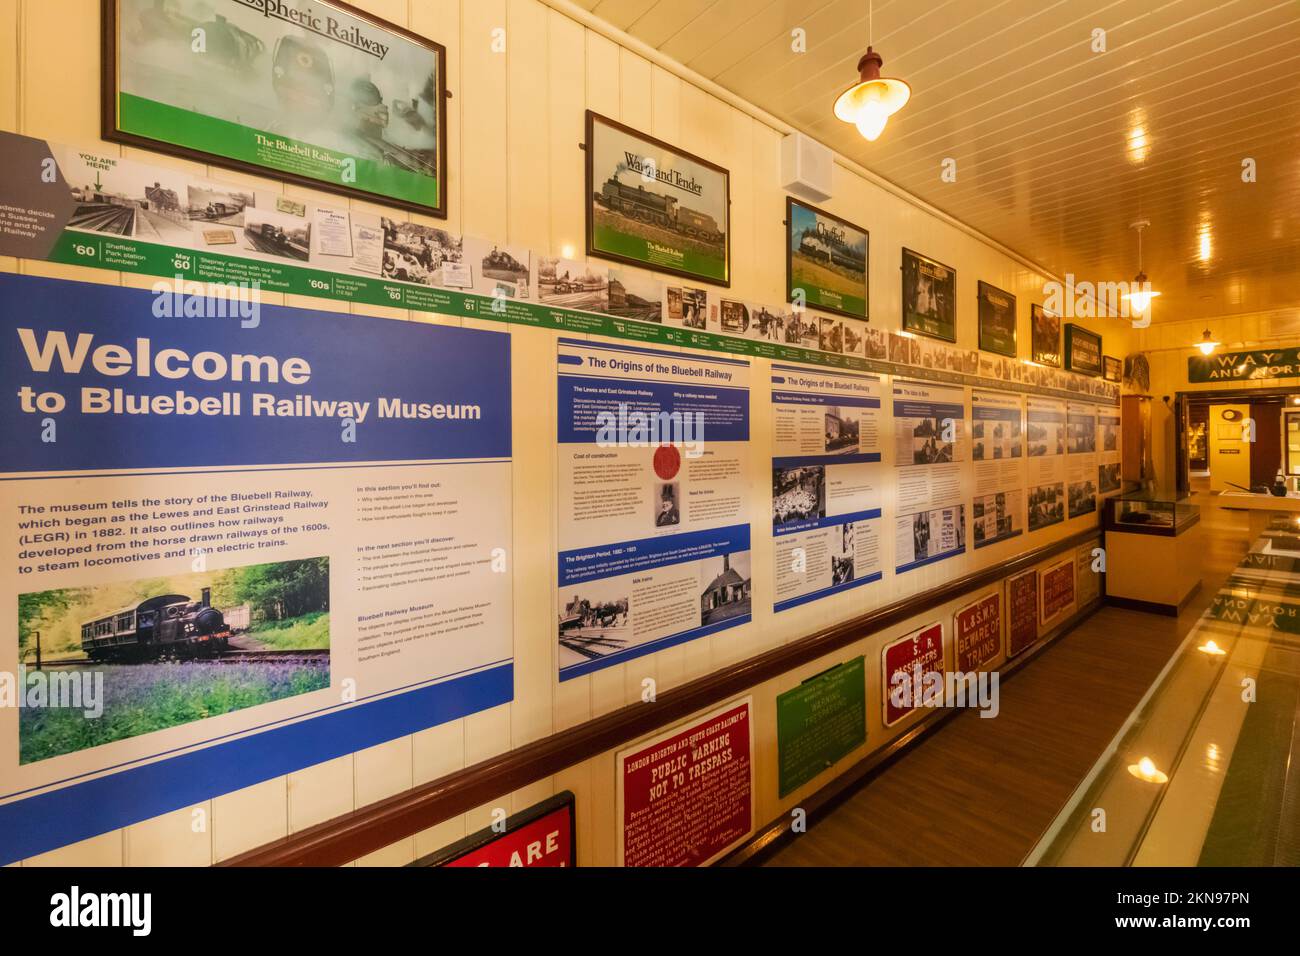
(865, 314)
(949, 319)
(988, 342)
(1044, 341)
(1112, 369)
(1075, 334)
(589, 202)
(111, 131)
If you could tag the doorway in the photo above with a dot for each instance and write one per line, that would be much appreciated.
(1236, 440)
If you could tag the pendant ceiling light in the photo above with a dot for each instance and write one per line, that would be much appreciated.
(1140, 298)
(869, 103)
(1207, 345)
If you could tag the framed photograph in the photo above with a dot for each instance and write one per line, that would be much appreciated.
(653, 205)
(1044, 336)
(997, 320)
(321, 94)
(1082, 350)
(929, 297)
(1112, 369)
(825, 258)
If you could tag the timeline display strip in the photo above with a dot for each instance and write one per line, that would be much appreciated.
(826, 483)
(103, 211)
(654, 542)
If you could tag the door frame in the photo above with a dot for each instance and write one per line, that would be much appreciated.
(1182, 476)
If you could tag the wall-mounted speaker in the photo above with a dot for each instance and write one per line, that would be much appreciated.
(806, 167)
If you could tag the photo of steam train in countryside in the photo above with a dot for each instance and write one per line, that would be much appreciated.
(655, 206)
(827, 260)
(174, 649)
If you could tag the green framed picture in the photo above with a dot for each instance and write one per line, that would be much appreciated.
(653, 205)
(825, 261)
(929, 297)
(1044, 336)
(997, 320)
(819, 722)
(321, 94)
(1082, 350)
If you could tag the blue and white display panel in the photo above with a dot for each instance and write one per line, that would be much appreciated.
(1108, 472)
(1081, 458)
(653, 490)
(1045, 444)
(929, 452)
(997, 449)
(239, 545)
(826, 482)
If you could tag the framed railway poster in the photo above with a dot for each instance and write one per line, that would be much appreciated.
(825, 261)
(653, 205)
(1082, 350)
(317, 93)
(997, 320)
(929, 297)
(1044, 336)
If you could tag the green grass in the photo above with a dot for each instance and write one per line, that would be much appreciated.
(299, 633)
(143, 698)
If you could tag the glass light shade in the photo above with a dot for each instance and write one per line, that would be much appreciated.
(869, 104)
(1141, 301)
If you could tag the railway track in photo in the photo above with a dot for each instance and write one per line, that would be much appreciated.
(104, 217)
(306, 656)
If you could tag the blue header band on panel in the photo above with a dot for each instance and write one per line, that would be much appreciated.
(683, 356)
(455, 382)
(911, 408)
(806, 461)
(820, 398)
(645, 554)
(830, 521)
(582, 399)
(993, 413)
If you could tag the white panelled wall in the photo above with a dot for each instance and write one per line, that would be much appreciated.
(516, 173)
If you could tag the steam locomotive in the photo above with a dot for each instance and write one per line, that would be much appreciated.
(167, 625)
(658, 210)
(827, 247)
(218, 210)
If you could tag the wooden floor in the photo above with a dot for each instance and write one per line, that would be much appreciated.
(980, 792)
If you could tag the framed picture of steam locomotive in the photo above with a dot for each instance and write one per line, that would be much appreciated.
(320, 94)
(997, 320)
(929, 297)
(653, 205)
(825, 261)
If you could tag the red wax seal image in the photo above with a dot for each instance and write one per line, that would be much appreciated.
(668, 461)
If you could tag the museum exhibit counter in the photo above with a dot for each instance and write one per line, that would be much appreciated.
(1205, 770)
(1153, 552)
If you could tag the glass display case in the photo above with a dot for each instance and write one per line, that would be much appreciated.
(1149, 513)
(1202, 773)
(1153, 551)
